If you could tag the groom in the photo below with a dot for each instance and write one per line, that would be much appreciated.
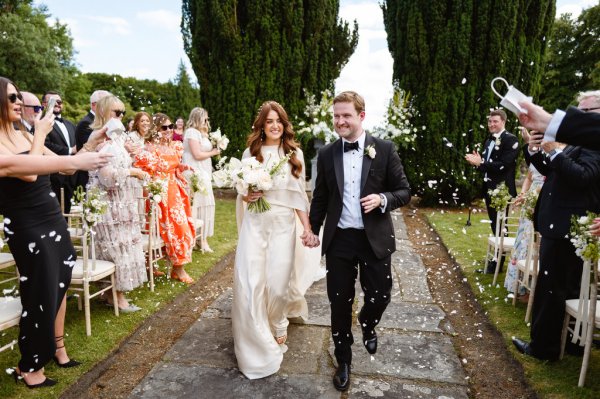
(360, 179)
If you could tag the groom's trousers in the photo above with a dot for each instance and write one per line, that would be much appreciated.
(349, 255)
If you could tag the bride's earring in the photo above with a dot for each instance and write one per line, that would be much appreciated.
(262, 135)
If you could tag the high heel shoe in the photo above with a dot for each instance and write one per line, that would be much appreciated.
(46, 383)
(70, 363)
(175, 276)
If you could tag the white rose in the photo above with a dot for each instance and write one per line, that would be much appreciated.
(372, 152)
(583, 220)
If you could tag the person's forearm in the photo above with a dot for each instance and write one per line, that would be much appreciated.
(22, 165)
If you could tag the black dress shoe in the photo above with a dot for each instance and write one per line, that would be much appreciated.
(341, 378)
(371, 344)
(522, 346)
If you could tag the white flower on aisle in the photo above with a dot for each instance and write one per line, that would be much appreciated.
(92, 203)
(586, 245)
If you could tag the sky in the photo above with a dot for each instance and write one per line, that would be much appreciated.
(142, 38)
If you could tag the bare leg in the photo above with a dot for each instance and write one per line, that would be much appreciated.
(36, 377)
(179, 273)
(59, 332)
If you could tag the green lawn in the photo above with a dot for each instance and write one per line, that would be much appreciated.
(468, 246)
(108, 331)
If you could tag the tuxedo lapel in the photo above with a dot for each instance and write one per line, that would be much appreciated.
(366, 166)
(338, 164)
(58, 132)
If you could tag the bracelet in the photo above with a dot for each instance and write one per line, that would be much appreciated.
(89, 147)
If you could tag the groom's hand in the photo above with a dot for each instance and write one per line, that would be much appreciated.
(309, 239)
(370, 202)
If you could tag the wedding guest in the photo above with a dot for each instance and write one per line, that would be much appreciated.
(267, 255)
(178, 131)
(83, 131)
(533, 181)
(497, 165)
(142, 123)
(61, 141)
(162, 159)
(129, 125)
(197, 152)
(572, 187)
(118, 233)
(31, 109)
(33, 227)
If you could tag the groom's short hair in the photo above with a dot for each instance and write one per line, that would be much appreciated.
(351, 97)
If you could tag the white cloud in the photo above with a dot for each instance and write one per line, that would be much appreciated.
(165, 19)
(368, 14)
(112, 25)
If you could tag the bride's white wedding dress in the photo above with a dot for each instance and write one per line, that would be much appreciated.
(272, 272)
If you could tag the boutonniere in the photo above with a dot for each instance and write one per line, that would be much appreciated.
(370, 151)
(498, 141)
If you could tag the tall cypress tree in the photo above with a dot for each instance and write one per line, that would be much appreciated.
(246, 52)
(446, 53)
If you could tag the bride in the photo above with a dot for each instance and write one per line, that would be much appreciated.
(271, 271)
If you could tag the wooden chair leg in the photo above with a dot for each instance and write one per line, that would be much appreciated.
(87, 310)
(516, 287)
(563, 335)
(589, 337)
(114, 294)
(530, 301)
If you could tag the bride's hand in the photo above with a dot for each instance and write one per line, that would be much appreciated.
(253, 196)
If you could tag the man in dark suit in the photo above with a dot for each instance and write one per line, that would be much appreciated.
(31, 109)
(83, 131)
(498, 162)
(572, 187)
(61, 141)
(360, 179)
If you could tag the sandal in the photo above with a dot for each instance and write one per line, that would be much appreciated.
(175, 276)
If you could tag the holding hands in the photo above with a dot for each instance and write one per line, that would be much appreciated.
(309, 239)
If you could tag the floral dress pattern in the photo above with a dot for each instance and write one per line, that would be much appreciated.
(175, 216)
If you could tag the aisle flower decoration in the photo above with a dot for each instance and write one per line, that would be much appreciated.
(399, 127)
(318, 123)
(499, 197)
(586, 245)
(92, 202)
(529, 200)
(156, 189)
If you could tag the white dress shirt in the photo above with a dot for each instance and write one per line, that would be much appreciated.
(65, 133)
(351, 212)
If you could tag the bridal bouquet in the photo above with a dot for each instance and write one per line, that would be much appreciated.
(156, 188)
(218, 140)
(258, 176)
(499, 197)
(92, 203)
(224, 174)
(586, 245)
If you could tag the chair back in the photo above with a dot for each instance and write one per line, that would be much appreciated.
(586, 308)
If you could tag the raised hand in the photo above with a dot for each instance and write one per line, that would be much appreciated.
(90, 160)
(44, 125)
(536, 117)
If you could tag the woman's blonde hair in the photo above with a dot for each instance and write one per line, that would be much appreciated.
(103, 108)
(198, 119)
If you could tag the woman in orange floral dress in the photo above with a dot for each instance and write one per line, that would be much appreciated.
(162, 160)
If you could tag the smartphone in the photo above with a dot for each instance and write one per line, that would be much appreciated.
(50, 106)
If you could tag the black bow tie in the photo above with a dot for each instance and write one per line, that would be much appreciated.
(59, 119)
(350, 146)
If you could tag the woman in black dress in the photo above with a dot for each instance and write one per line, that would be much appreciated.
(36, 233)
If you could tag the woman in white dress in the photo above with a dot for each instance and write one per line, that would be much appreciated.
(265, 262)
(118, 234)
(197, 152)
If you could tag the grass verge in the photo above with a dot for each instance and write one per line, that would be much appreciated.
(109, 331)
(467, 245)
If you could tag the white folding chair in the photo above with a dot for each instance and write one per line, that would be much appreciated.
(86, 270)
(582, 316)
(527, 272)
(151, 240)
(503, 241)
(10, 314)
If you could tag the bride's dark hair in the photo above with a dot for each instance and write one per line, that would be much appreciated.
(255, 140)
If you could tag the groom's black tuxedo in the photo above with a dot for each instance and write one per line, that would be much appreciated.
(382, 174)
(350, 250)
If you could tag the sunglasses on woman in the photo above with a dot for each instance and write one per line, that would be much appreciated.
(118, 112)
(164, 128)
(13, 97)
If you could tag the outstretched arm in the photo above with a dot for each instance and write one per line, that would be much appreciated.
(21, 165)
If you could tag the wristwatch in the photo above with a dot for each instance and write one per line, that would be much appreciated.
(553, 152)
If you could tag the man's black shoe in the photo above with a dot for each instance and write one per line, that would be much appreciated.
(522, 346)
(371, 344)
(341, 378)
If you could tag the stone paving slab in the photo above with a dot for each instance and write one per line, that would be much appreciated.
(305, 353)
(408, 356)
(208, 342)
(411, 316)
(170, 380)
(415, 289)
(221, 307)
(361, 387)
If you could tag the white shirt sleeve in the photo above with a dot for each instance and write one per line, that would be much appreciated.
(554, 124)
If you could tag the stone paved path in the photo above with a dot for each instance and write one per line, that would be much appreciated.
(415, 359)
